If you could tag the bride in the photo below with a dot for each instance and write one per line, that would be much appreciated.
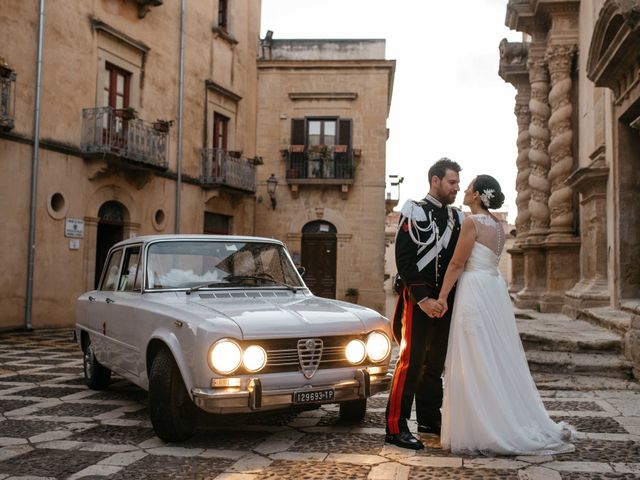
(491, 404)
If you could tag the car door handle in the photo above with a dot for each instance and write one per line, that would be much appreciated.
(92, 299)
(108, 300)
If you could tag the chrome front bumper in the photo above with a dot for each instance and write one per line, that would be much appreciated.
(255, 398)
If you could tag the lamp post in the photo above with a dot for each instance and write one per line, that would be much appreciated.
(272, 184)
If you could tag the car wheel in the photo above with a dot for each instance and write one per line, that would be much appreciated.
(353, 410)
(96, 376)
(173, 414)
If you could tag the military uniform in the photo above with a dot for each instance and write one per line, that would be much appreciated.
(425, 241)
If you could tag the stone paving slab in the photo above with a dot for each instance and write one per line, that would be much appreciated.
(52, 426)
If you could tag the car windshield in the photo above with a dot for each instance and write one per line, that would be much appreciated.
(202, 264)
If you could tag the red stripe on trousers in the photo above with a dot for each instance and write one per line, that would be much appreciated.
(397, 389)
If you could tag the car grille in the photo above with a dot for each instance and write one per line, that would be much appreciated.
(294, 354)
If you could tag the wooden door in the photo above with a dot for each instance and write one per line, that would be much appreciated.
(319, 249)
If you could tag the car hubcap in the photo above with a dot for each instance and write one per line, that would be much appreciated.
(88, 362)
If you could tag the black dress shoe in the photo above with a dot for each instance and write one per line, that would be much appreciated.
(404, 440)
(434, 428)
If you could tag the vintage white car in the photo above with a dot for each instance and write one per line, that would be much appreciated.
(226, 324)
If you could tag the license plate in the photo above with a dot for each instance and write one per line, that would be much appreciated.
(313, 396)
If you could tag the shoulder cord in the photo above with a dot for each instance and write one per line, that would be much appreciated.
(432, 226)
(415, 237)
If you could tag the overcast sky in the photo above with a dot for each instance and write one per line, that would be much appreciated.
(448, 99)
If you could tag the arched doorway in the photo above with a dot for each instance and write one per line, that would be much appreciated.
(111, 219)
(319, 249)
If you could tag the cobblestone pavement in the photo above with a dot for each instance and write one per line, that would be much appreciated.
(52, 426)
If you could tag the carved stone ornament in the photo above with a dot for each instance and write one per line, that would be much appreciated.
(614, 45)
(143, 6)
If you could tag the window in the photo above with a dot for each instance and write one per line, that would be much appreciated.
(222, 14)
(111, 272)
(116, 87)
(216, 224)
(130, 277)
(329, 131)
(321, 148)
(321, 132)
(220, 131)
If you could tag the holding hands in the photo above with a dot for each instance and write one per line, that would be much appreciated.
(434, 308)
(442, 306)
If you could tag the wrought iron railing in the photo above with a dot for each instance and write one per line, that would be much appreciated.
(113, 131)
(7, 99)
(319, 162)
(220, 168)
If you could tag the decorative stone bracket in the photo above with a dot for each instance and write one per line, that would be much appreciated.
(143, 6)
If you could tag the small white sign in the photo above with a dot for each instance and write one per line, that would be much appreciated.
(324, 227)
(74, 244)
(74, 228)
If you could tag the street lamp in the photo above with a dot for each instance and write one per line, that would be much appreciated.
(272, 183)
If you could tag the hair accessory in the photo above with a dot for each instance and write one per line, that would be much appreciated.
(486, 196)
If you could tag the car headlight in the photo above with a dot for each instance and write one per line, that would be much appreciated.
(355, 351)
(378, 346)
(225, 356)
(254, 358)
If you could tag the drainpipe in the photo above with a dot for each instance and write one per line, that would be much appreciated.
(180, 108)
(31, 247)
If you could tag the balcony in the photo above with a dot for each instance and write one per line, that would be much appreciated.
(320, 164)
(7, 97)
(110, 131)
(220, 169)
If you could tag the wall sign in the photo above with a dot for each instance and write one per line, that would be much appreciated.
(74, 228)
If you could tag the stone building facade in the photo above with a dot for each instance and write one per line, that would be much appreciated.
(136, 97)
(578, 111)
(323, 106)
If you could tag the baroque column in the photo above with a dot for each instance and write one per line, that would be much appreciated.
(513, 69)
(562, 245)
(538, 157)
(560, 61)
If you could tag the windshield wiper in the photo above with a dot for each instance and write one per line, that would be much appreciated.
(204, 285)
(264, 277)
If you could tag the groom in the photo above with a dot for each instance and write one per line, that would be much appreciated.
(427, 234)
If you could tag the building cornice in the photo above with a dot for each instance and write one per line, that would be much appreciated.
(323, 96)
(100, 26)
(326, 64)
(215, 87)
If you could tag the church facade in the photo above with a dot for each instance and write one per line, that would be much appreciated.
(577, 78)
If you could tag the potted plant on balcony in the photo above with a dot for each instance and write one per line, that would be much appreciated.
(235, 153)
(257, 160)
(351, 295)
(162, 126)
(129, 113)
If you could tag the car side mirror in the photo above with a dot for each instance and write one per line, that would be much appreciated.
(301, 271)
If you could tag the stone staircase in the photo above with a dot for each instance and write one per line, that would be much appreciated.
(576, 354)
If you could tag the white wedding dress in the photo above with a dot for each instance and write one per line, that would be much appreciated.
(491, 405)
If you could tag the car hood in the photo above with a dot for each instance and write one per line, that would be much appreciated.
(295, 316)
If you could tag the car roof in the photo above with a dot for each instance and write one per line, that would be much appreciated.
(212, 238)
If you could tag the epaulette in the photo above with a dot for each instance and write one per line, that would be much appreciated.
(413, 211)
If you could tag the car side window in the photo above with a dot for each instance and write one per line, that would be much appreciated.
(130, 277)
(110, 279)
